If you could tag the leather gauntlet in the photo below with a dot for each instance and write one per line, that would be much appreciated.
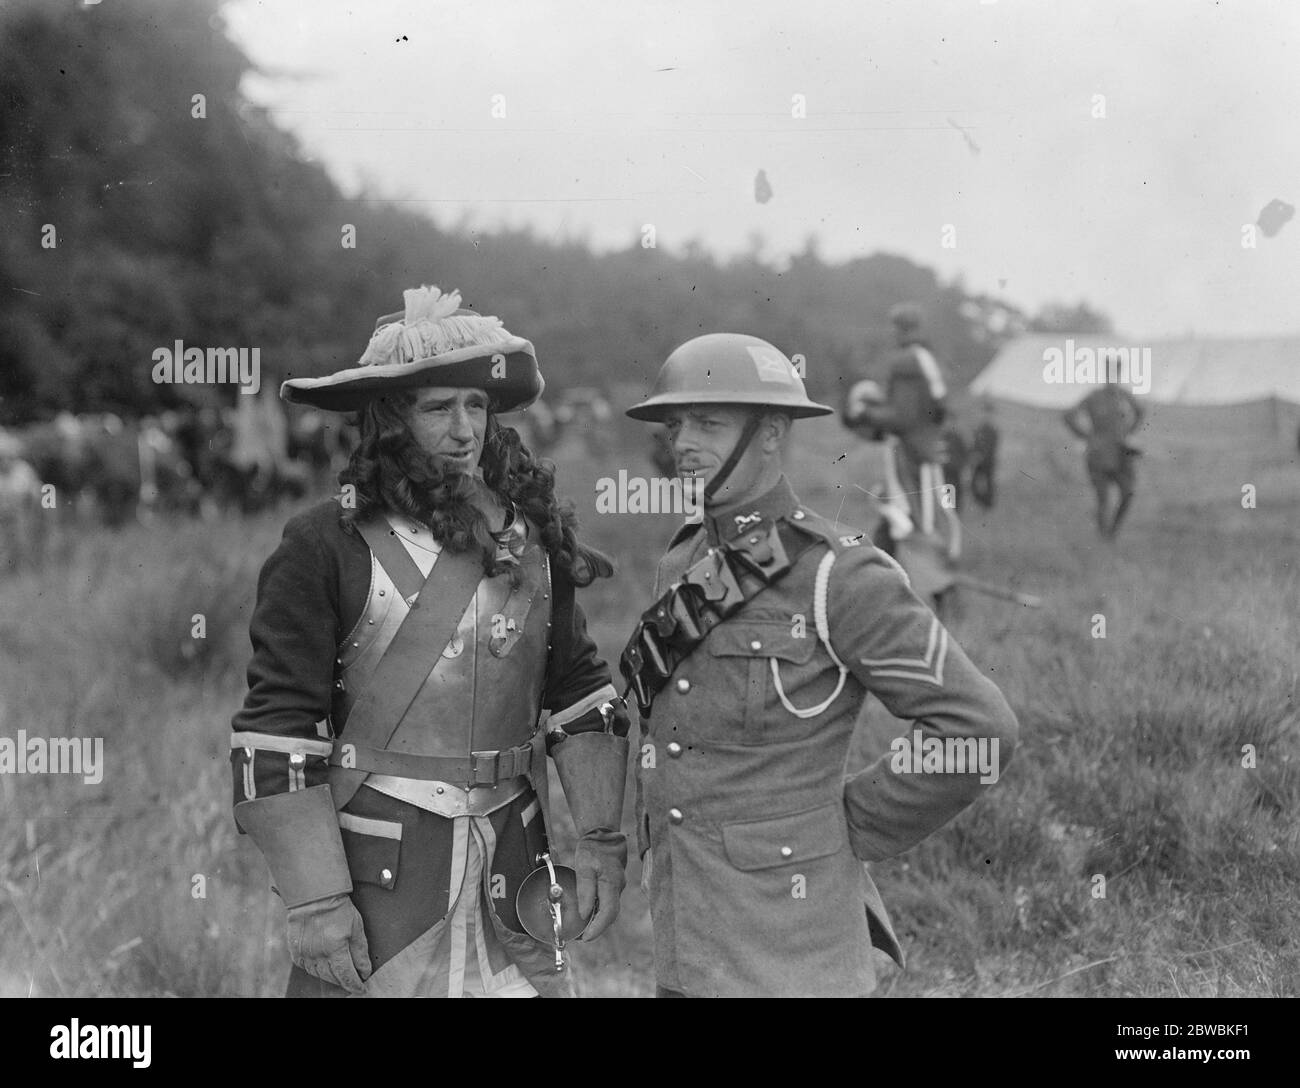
(593, 771)
(298, 834)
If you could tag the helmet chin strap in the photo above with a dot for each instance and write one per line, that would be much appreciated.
(738, 451)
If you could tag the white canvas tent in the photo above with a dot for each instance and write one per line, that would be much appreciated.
(1202, 391)
(1186, 372)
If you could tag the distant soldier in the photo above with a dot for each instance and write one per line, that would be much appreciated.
(1104, 419)
(921, 529)
(916, 394)
(984, 460)
(771, 627)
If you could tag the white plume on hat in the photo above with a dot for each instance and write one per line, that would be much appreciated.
(434, 323)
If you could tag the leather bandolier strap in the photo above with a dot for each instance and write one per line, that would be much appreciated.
(428, 627)
(723, 581)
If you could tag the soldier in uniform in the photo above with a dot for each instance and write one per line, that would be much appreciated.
(1104, 419)
(771, 627)
(407, 636)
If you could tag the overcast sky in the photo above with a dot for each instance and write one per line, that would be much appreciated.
(920, 114)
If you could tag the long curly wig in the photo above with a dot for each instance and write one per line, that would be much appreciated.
(392, 472)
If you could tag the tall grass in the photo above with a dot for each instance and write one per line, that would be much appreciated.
(1130, 766)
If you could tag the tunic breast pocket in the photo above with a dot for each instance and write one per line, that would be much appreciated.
(777, 668)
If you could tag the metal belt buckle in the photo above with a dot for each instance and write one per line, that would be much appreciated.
(477, 761)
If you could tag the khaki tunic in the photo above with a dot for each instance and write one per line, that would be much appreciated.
(756, 877)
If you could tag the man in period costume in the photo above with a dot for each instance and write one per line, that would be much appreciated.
(771, 626)
(920, 526)
(407, 637)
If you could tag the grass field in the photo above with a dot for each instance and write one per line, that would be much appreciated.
(1130, 765)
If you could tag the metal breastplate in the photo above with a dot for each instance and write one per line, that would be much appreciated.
(484, 689)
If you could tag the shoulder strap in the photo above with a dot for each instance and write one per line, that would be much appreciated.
(392, 556)
(713, 590)
(437, 605)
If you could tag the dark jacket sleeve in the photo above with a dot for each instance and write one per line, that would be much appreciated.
(577, 678)
(281, 737)
(896, 647)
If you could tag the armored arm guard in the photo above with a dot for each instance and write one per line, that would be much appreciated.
(298, 834)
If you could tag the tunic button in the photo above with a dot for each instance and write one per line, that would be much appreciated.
(755, 645)
(441, 790)
(786, 852)
(674, 749)
(386, 877)
(683, 685)
(797, 515)
(381, 592)
(297, 759)
(675, 815)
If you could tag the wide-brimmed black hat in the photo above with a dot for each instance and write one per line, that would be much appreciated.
(434, 341)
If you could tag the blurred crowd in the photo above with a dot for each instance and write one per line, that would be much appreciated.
(210, 462)
(97, 468)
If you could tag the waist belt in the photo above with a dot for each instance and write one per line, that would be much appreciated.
(476, 769)
(712, 589)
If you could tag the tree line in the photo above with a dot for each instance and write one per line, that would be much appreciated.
(135, 214)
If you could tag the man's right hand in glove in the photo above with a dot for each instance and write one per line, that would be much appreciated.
(326, 939)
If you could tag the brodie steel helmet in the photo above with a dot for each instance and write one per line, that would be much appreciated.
(728, 368)
(734, 369)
